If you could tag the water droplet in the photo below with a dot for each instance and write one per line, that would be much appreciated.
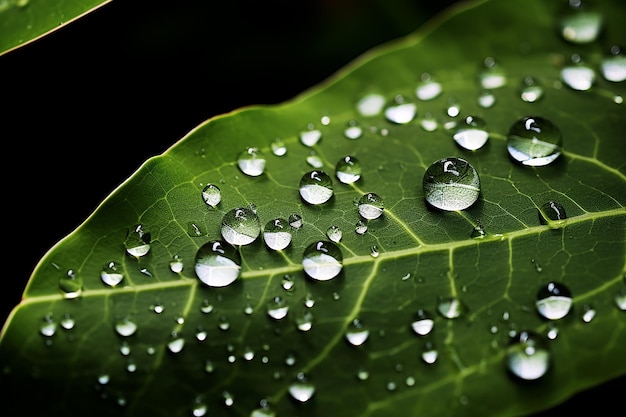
(613, 66)
(49, 327)
(201, 334)
(360, 227)
(552, 213)
(264, 411)
(295, 221)
(534, 141)
(492, 75)
(194, 230)
(334, 233)
(581, 25)
(353, 130)
(371, 206)
(450, 307)
(206, 306)
(125, 327)
(304, 322)
(451, 184)
(322, 260)
(316, 187)
(111, 274)
(240, 226)
(454, 108)
(578, 77)
(423, 323)
(531, 90)
(401, 112)
(527, 356)
(348, 169)
(125, 348)
(278, 147)
(309, 301)
(357, 333)
(68, 322)
(362, 374)
(620, 299)
(288, 283)
(478, 231)
(374, 252)
(229, 400)
(314, 160)
(104, 379)
(325, 120)
(371, 105)
(277, 234)
(471, 134)
(217, 264)
(211, 195)
(430, 354)
(277, 308)
(199, 408)
(429, 123)
(301, 389)
(427, 89)
(486, 99)
(209, 366)
(137, 241)
(71, 284)
(554, 301)
(588, 313)
(251, 162)
(310, 137)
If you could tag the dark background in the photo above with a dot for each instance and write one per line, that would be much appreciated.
(85, 106)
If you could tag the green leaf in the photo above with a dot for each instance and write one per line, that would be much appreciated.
(61, 342)
(24, 21)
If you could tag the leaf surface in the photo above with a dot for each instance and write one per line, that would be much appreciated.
(216, 351)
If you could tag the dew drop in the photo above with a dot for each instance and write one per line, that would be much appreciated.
(217, 264)
(620, 299)
(240, 226)
(295, 221)
(111, 274)
(68, 322)
(277, 234)
(125, 348)
(471, 134)
(301, 389)
(371, 105)
(492, 76)
(309, 301)
(229, 400)
(353, 130)
(288, 283)
(322, 260)
(531, 90)
(137, 242)
(534, 141)
(454, 108)
(263, 411)
(486, 99)
(199, 408)
(580, 25)
(552, 213)
(362, 374)
(71, 285)
(357, 333)
(277, 308)
(334, 233)
(310, 137)
(316, 187)
(104, 379)
(450, 307)
(578, 77)
(278, 147)
(428, 88)
(251, 162)
(371, 206)
(430, 354)
(314, 160)
(613, 66)
(360, 227)
(125, 327)
(374, 252)
(176, 264)
(423, 323)
(451, 184)
(554, 301)
(201, 334)
(527, 356)
(194, 230)
(429, 123)
(211, 195)
(401, 112)
(49, 327)
(588, 313)
(478, 231)
(348, 169)
(206, 306)
(304, 322)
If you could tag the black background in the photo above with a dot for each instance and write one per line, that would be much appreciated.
(85, 106)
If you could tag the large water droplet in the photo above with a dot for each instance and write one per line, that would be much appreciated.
(111, 274)
(371, 105)
(451, 184)
(277, 234)
(534, 141)
(322, 260)
(613, 67)
(217, 264)
(428, 88)
(527, 356)
(371, 206)
(301, 389)
(348, 169)
(137, 241)
(554, 301)
(581, 25)
(316, 187)
(471, 133)
(401, 112)
(211, 195)
(357, 333)
(251, 162)
(240, 226)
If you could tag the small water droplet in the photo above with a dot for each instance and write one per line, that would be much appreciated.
(450, 307)
(353, 130)
(301, 389)
(251, 162)
(125, 348)
(428, 88)
(295, 221)
(348, 169)
(360, 227)
(277, 308)
(588, 313)
(104, 379)
(486, 99)
(478, 231)
(314, 160)
(288, 283)
(374, 252)
(357, 333)
(620, 299)
(527, 356)
(199, 408)
(423, 323)
(554, 301)
(492, 76)
(71, 284)
(471, 134)
(137, 241)
(209, 367)
(201, 334)
(277, 234)
(362, 374)
(211, 195)
(49, 326)
(430, 354)
(531, 90)
(68, 322)
(371, 206)
(264, 411)
(125, 326)
(451, 184)
(371, 105)
(534, 141)
(613, 66)
(206, 306)
(322, 260)
(217, 264)
(578, 77)
(278, 147)
(401, 111)
(304, 322)
(581, 25)
(552, 213)
(309, 301)
(334, 233)
(176, 264)
(429, 123)
(194, 230)
(240, 226)
(454, 108)
(316, 187)
(310, 137)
